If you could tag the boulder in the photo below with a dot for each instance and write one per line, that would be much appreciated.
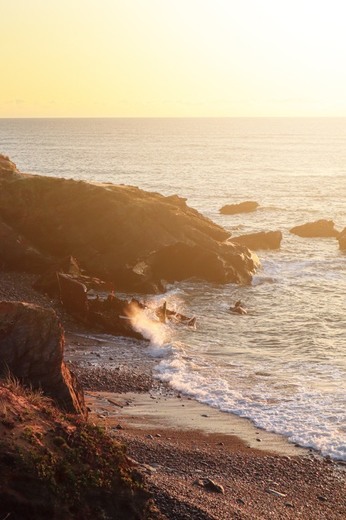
(31, 348)
(261, 240)
(112, 230)
(342, 240)
(73, 296)
(243, 207)
(180, 261)
(320, 228)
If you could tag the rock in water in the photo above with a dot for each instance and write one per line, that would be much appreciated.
(261, 240)
(31, 348)
(318, 229)
(242, 207)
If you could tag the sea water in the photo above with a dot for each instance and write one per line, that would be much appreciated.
(283, 365)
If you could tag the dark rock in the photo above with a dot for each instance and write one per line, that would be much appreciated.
(113, 230)
(222, 264)
(242, 207)
(48, 282)
(73, 296)
(113, 316)
(319, 229)
(261, 240)
(31, 348)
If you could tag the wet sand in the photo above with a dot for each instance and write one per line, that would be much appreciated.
(200, 463)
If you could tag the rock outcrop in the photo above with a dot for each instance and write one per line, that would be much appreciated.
(31, 348)
(16, 253)
(181, 261)
(319, 229)
(243, 207)
(113, 231)
(342, 240)
(48, 282)
(261, 240)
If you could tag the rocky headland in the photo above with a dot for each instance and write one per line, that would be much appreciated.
(132, 239)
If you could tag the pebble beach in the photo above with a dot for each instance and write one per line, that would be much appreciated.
(198, 462)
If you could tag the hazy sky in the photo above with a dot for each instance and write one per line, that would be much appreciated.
(172, 58)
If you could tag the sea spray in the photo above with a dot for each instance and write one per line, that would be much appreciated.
(143, 321)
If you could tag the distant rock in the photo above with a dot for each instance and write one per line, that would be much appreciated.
(342, 240)
(31, 348)
(242, 207)
(261, 240)
(112, 231)
(318, 229)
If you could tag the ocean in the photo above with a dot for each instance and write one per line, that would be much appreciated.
(283, 365)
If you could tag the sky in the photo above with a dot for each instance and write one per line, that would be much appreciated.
(172, 58)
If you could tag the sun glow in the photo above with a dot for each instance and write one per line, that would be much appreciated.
(172, 58)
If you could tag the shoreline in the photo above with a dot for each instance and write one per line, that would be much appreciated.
(181, 445)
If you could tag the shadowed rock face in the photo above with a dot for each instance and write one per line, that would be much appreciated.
(319, 229)
(31, 348)
(261, 240)
(16, 253)
(114, 230)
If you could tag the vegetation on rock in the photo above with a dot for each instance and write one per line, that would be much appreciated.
(62, 467)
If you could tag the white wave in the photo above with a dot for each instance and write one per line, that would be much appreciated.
(307, 418)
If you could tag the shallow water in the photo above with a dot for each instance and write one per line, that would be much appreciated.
(283, 365)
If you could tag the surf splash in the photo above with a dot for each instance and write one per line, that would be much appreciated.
(144, 321)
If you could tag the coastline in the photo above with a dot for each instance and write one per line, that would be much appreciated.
(178, 444)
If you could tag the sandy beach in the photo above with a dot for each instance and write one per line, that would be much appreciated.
(198, 463)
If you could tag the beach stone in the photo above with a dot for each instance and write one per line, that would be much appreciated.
(261, 240)
(210, 485)
(275, 493)
(31, 349)
(243, 207)
(319, 229)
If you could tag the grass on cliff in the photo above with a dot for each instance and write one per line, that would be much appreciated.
(62, 467)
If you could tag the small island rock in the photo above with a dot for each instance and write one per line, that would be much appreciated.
(319, 229)
(243, 207)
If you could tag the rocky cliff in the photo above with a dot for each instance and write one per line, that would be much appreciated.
(118, 233)
(31, 350)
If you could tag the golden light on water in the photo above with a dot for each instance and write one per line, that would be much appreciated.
(172, 58)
